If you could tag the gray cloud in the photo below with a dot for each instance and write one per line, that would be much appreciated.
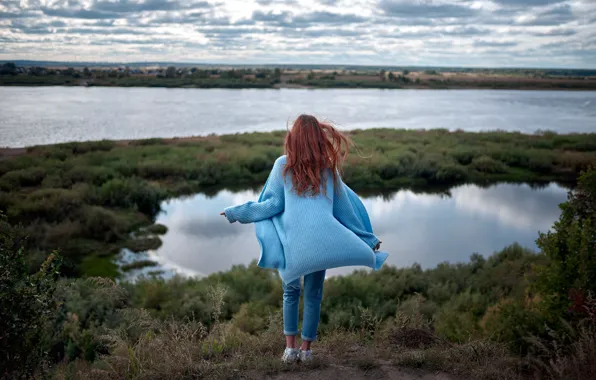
(288, 19)
(494, 44)
(269, 2)
(523, 3)
(120, 41)
(211, 32)
(404, 8)
(79, 13)
(327, 18)
(121, 8)
(317, 33)
(177, 18)
(16, 14)
(115, 31)
(272, 17)
(127, 6)
(556, 16)
(438, 32)
(556, 32)
(466, 31)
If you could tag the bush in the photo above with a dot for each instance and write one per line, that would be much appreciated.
(101, 224)
(486, 164)
(26, 306)
(22, 178)
(457, 320)
(131, 193)
(259, 164)
(390, 170)
(253, 317)
(541, 163)
(95, 175)
(464, 156)
(571, 271)
(52, 205)
(451, 173)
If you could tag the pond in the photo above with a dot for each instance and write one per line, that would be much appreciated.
(423, 228)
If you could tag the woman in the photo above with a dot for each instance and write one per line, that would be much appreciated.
(307, 220)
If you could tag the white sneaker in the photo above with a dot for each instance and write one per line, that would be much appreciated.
(290, 355)
(305, 356)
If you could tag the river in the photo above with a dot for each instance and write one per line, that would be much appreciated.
(46, 115)
(421, 228)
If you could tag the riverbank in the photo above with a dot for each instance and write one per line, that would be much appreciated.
(244, 77)
(86, 198)
(366, 82)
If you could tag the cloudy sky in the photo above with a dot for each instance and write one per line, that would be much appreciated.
(525, 33)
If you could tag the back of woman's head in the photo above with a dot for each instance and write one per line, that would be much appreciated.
(312, 147)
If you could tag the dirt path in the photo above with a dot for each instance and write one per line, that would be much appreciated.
(339, 372)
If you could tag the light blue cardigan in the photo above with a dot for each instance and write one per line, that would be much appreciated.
(304, 234)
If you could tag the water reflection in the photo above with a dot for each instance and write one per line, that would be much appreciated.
(415, 228)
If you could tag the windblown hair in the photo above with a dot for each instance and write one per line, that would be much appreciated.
(312, 147)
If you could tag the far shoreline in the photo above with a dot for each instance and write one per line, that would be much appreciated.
(308, 87)
(314, 78)
(14, 151)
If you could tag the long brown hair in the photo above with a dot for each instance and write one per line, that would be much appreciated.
(311, 147)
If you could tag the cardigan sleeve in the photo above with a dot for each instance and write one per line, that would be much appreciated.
(349, 211)
(270, 203)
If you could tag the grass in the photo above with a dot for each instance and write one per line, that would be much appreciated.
(146, 347)
(151, 348)
(85, 198)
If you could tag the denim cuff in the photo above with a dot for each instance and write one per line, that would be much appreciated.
(309, 339)
(286, 333)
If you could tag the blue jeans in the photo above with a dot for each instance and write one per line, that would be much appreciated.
(313, 295)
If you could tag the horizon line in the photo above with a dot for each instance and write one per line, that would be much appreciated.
(124, 63)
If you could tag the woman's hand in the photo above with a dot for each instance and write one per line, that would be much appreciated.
(376, 248)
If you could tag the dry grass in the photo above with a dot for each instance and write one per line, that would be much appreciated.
(149, 348)
(577, 363)
(570, 355)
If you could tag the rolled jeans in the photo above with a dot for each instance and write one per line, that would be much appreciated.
(313, 295)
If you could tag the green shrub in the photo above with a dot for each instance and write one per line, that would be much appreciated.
(541, 163)
(451, 173)
(26, 306)
(464, 156)
(131, 193)
(570, 275)
(259, 164)
(95, 175)
(390, 170)
(49, 204)
(102, 224)
(88, 146)
(457, 320)
(253, 317)
(22, 178)
(486, 164)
